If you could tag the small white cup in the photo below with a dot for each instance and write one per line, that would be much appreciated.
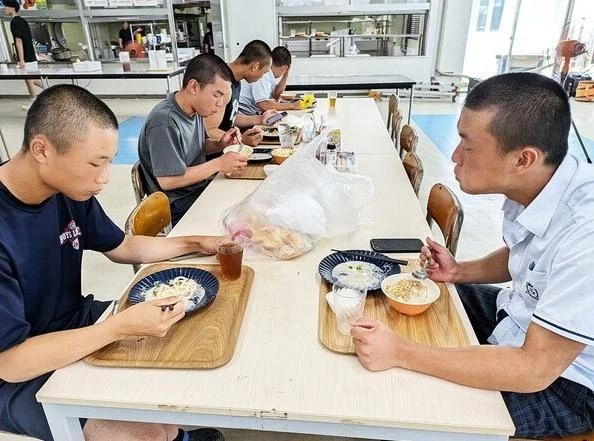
(348, 305)
(286, 137)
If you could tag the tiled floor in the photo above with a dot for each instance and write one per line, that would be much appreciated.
(480, 233)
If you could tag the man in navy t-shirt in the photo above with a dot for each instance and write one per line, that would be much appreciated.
(49, 215)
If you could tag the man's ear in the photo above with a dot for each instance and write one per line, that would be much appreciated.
(39, 148)
(194, 87)
(528, 158)
(255, 66)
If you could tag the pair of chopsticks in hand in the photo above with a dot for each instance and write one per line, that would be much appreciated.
(379, 257)
(163, 307)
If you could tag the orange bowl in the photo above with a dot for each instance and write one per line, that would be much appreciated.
(280, 155)
(415, 304)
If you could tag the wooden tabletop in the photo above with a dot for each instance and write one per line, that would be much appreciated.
(279, 368)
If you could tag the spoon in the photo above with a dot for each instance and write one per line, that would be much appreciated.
(422, 273)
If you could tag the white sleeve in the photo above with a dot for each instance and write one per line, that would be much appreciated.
(261, 89)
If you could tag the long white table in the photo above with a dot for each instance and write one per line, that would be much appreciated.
(353, 82)
(280, 377)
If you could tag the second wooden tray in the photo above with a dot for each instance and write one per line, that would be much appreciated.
(205, 339)
(252, 171)
(439, 326)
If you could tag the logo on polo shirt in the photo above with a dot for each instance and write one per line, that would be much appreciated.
(71, 234)
(531, 290)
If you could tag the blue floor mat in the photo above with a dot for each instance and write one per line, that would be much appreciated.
(128, 143)
(441, 129)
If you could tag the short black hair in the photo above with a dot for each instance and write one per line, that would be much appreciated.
(204, 68)
(530, 109)
(281, 56)
(255, 51)
(12, 4)
(63, 114)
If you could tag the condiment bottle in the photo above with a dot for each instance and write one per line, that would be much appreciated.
(331, 154)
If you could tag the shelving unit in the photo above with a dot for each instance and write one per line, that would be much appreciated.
(93, 18)
(353, 28)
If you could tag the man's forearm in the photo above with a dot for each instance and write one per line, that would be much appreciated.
(19, 48)
(212, 145)
(39, 355)
(492, 268)
(280, 87)
(143, 249)
(270, 104)
(475, 366)
(193, 175)
(247, 121)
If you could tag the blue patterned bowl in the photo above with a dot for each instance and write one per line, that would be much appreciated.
(329, 262)
(208, 281)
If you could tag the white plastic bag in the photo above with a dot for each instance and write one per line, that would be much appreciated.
(300, 203)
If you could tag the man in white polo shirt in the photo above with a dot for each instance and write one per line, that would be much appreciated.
(262, 95)
(537, 335)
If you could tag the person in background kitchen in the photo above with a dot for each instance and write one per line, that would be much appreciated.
(50, 215)
(208, 40)
(264, 94)
(537, 334)
(125, 35)
(23, 43)
(252, 63)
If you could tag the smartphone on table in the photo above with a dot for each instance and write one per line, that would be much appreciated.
(396, 245)
(275, 118)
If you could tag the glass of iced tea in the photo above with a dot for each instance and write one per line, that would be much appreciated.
(230, 255)
(332, 95)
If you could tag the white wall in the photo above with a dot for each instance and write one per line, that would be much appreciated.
(454, 34)
(248, 20)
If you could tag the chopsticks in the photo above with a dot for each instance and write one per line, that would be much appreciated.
(163, 307)
(379, 257)
(237, 138)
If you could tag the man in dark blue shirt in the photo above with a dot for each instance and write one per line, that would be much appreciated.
(49, 216)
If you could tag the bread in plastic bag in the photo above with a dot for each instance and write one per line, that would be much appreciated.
(300, 203)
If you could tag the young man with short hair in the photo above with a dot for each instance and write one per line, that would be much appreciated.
(252, 63)
(173, 144)
(49, 217)
(537, 335)
(263, 95)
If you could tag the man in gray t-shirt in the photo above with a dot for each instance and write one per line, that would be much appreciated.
(172, 146)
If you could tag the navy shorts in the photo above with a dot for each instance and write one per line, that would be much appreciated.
(564, 408)
(19, 410)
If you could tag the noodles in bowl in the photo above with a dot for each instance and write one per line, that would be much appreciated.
(189, 290)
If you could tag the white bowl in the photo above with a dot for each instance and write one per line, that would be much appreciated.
(246, 151)
(269, 169)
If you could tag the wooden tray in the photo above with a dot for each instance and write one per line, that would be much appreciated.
(252, 171)
(203, 340)
(439, 326)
